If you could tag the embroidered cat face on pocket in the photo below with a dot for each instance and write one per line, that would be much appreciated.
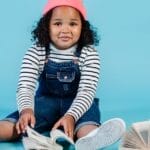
(66, 74)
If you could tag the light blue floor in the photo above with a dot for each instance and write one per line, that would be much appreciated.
(129, 116)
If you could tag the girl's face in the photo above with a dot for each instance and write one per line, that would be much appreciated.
(65, 27)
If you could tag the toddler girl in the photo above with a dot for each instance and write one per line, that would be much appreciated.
(66, 65)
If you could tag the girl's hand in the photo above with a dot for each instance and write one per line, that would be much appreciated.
(68, 123)
(26, 118)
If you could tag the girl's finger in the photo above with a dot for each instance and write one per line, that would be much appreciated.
(71, 134)
(18, 128)
(56, 125)
(66, 129)
(32, 121)
(23, 123)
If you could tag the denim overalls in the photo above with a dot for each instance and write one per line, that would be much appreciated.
(59, 79)
(57, 89)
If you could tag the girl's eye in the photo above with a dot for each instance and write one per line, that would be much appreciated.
(57, 23)
(73, 24)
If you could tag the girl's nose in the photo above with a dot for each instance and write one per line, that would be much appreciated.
(65, 29)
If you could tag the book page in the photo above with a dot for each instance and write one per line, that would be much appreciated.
(137, 137)
(35, 140)
(142, 128)
(56, 134)
(131, 140)
(124, 148)
(38, 137)
(149, 137)
(31, 144)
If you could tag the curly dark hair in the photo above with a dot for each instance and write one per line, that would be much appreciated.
(41, 33)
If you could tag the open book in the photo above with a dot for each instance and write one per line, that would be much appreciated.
(137, 137)
(37, 141)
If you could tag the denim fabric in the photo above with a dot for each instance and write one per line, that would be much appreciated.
(48, 109)
(59, 79)
(58, 86)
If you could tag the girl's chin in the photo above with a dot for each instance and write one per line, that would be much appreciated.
(64, 46)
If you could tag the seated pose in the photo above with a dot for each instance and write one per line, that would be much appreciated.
(66, 65)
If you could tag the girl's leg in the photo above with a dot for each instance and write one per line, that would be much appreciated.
(89, 121)
(8, 131)
(45, 113)
(85, 130)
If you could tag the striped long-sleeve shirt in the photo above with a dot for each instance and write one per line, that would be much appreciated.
(33, 65)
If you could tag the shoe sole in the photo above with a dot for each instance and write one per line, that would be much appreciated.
(105, 136)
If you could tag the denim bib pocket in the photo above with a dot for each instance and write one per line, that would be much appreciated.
(66, 75)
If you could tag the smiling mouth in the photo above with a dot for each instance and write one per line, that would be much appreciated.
(64, 38)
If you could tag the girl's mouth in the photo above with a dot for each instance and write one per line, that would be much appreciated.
(64, 38)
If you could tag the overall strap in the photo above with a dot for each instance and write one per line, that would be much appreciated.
(47, 51)
(78, 52)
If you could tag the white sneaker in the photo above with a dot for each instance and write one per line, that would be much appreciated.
(108, 133)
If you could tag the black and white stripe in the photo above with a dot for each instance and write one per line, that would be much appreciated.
(32, 67)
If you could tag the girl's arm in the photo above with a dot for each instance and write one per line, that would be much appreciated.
(90, 68)
(29, 73)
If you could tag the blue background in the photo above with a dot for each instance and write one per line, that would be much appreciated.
(124, 28)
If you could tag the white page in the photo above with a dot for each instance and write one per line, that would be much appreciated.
(55, 134)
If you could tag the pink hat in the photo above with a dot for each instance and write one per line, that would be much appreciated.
(77, 4)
